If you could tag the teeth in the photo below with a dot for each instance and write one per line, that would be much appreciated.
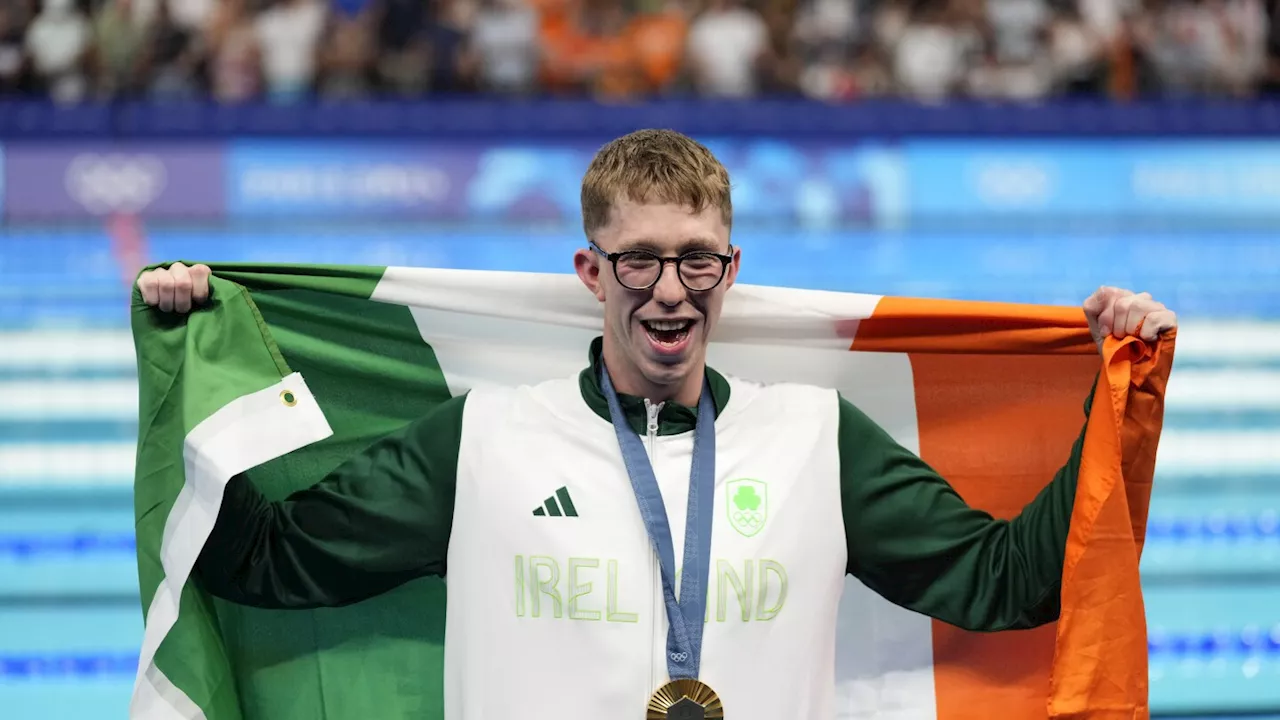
(667, 325)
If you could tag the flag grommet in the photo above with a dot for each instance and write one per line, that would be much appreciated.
(288, 398)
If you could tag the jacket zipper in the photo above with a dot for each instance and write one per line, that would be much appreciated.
(657, 605)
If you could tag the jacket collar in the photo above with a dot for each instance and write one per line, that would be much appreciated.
(673, 419)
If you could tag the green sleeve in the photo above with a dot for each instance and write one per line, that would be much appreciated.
(913, 540)
(381, 519)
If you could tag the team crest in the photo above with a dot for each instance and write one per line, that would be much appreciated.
(748, 505)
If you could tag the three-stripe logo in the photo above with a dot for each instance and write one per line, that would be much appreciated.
(557, 505)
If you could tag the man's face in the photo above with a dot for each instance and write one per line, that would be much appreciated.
(656, 339)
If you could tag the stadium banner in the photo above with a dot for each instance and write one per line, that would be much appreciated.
(794, 182)
(83, 181)
(1092, 179)
(798, 184)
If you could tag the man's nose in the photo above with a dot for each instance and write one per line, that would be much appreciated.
(669, 290)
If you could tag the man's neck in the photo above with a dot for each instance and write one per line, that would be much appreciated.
(628, 380)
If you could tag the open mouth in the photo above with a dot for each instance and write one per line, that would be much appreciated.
(668, 334)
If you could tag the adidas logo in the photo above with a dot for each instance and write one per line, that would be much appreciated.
(556, 509)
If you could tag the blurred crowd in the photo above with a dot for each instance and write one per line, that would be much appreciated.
(837, 50)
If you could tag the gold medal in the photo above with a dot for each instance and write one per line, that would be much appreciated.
(684, 699)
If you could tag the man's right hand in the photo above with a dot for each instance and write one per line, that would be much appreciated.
(177, 288)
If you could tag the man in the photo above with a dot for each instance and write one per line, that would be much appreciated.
(595, 616)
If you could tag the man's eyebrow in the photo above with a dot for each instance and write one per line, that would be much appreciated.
(637, 244)
(687, 245)
(702, 243)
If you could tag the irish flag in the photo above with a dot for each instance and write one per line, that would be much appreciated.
(292, 369)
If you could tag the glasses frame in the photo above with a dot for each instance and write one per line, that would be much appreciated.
(613, 259)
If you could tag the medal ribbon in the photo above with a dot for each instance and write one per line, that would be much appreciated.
(686, 613)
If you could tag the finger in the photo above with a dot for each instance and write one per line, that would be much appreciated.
(200, 284)
(1158, 322)
(181, 288)
(1136, 309)
(147, 285)
(1092, 308)
(1107, 318)
(164, 288)
(1094, 305)
(1099, 300)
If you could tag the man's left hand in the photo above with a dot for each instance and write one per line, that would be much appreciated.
(1113, 311)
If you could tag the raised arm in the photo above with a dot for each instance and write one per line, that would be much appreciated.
(378, 521)
(913, 540)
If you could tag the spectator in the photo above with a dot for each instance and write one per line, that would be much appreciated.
(828, 76)
(657, 40)
(449, 22)
(826, 34)
(1008, 61)
(1017, 27)
(933, 53)
(235, 63)
(779, 65)
(586, 48)
(13, 61)
(1077, 54)
(1242, 57)
(405, 56)
(1212, 47)
(1105, 18)
(727, 43)
(121, 38)
(822, 25)
(288, 35)
(348, 53)
(503, 45)
(188, 16)
(869, 75)
(173, 56)
(57, 42)
(889, 22)
(1269, 74)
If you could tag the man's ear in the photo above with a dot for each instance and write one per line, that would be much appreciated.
(732, 273)
(585, 263)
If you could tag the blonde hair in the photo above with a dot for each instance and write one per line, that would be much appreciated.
(654, 166)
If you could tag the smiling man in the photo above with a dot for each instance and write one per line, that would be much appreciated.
(647, 576)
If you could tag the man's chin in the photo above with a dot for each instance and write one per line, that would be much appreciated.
(668, 369)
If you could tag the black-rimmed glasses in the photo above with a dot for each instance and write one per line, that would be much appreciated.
(698, 271)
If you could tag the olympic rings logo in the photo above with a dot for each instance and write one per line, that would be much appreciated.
(105, 184)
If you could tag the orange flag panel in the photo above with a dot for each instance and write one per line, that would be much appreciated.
(999, 395)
